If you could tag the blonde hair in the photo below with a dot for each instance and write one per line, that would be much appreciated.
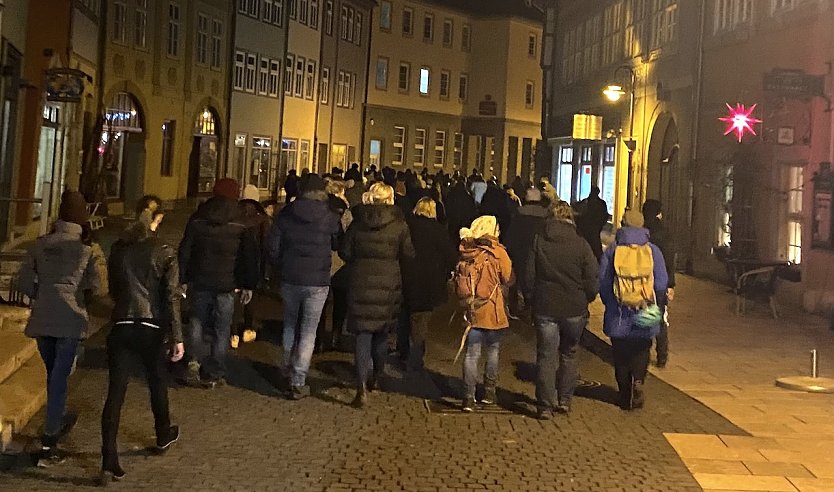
(426, 207)
(379, 194)
(563, 212)
(335, 187)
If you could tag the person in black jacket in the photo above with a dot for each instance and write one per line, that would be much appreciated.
(425, 277)
(527, 223)
(291, 186)
(300, 245)
(592, 218)
(561, 279)
(461, 209)
(144, 285)
(373, 247)
(659, 236)
(217, 256)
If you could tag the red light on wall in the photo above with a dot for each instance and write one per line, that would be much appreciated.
(739, 120)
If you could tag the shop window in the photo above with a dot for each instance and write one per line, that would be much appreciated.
(289, 154)
(564, 179)
(339, 157)
(794, 186)
(259, 167)
(608, 176)
(304, 154)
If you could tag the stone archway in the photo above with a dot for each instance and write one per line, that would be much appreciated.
(662, 160)
(203, 163)
(121, 152)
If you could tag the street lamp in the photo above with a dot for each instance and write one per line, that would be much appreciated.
(613, 93)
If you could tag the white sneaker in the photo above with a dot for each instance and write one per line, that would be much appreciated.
(249, 336)
(235, 341)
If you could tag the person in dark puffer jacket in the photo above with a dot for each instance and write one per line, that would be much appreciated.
(373, 247)
(300, 244)
(659, 236)
(217, 256)
(560, 279)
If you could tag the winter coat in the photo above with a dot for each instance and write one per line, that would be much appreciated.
(478, 188)
(144, 280)
(354, 195)
(528, 222)
(592, 217)
(291, 186)
(460, 210)
(495, 202)
(254, 217)
(561, 273)
(425, 278)
(492, 315)
(217, 252)
(619, 320)
(301, 241)
(659, 235)
(373, 247)
(57, 271)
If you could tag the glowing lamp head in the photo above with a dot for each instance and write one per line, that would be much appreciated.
(206, 114)
(739, 120)
(613, 93)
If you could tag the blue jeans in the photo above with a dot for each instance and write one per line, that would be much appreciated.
(491, 340)
(556, 343)
(300, 331)
(58, 355)
(211, 325)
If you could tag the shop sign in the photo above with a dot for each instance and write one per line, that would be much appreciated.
(794, 83)
(64, 84)
(587, 127)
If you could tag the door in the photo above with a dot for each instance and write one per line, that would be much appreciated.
(376, 153)
(133, 164)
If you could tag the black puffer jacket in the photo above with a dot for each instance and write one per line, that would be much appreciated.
(254, 217)
(460, 210)
(528, 222)
(561, 273)
(301, 240)
(373, 247)
(426, 276)
(218, 253)
(144, 280)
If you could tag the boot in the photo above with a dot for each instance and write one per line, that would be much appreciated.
(361, 399)
(110, 469)
(638, 398)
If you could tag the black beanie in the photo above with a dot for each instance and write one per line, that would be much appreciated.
(73, 208)
(310, 183)
(652, 208)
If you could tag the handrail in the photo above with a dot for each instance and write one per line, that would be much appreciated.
(21, 200)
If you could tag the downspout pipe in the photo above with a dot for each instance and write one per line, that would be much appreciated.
(695, 138)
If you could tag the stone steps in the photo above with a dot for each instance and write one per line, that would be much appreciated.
(15, 350)
(22, 374)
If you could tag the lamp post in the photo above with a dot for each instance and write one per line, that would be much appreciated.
(614, 93)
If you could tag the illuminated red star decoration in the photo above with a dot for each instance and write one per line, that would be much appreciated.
(740, 121)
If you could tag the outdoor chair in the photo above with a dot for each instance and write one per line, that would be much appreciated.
(96, 221)
(758, 284)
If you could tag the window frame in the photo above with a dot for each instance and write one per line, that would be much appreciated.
(440, 148)
(324, 86)
(463, 87)
(328, 17)
(466, 37)
(201, 43)
(448, 41)
(239, 74)
(399, 141)
(119, 25)
(250, 79)
(532, 45)
(382, 17)
(409, 32)
(530, 94)
(300, 67)
(428, 28)
(427, 70)
(173, 31)
(420, 148)
(140, 25)
(448, 76)
(274, 84)
(263, 76)
(289, 74)
(407, 88)
(387, 64)
(311, 74)
(216, 46)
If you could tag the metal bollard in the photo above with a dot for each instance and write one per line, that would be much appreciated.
(814, 364)
(813, 384)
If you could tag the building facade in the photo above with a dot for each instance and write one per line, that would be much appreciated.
(454, 85)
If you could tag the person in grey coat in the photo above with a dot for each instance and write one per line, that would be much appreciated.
(58, 274)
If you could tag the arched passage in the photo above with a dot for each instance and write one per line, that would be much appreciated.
(203, 163)
(121, 151)
(662, 159)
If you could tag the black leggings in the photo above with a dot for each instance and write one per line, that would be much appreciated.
(631, 360)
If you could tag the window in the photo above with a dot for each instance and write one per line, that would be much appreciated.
(340, 89)
(564, 180)
(292, 7)
(635, 28)
(744, 11)
(314, 14)
(350, 24)
(304, 156)
(612, 42)
(382, 73)
(428, 28)
(328, 17)
(202, 39)
(288, 71)
(352, 94)
(216, 43)
(251, 66)
(530, 94)
(168, 133)
(608, 176)
(448, 33)
(408, 22)
(532, 45)
(300, 63)
(267, 11)
(325, 85)
(252, 8)
(730, 13)
(357, 32)
(240, 70)
(277, 17)
(445, 78)
(781, 5)
(261, 155)
(263, 77)
(274, 77)
(794, 186)
(664, 23)
(458, 150)
(289, 153)
(399, 146)
(119, 22)
(140, 24)
(465, 37)
(303, 11)
(404, 79)
(385, 15)
(439, 148)
(241, 6)
(173, 29)
(340, 156)
(425, 80)
(311, 80)
(419, 146)
(463, 87)
(343, 27)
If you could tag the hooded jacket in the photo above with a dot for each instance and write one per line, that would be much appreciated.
(301, 240)
(254, 218)
(492, 315)
(619, 320)
(376, 242)
(460, 209)
(659, 236)
(56, 272)
(561, 273)
(144, 280)
(528, 222)
(426, 276)
(217, 252)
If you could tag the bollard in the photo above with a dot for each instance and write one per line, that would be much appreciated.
(813, 384)
(814, 364)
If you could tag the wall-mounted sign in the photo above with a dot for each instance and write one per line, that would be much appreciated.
(794, 83)
(64, 84)
(488, 107)
(587, 127)
(785, 135)
(739, 120)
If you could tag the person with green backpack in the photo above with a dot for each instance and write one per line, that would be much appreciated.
(632, 279)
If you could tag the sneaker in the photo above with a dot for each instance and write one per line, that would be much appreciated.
(50, 456)
(544, 413)
(468, 405)
(299, 392)
(235, 342)
(489, 396)
(172, 437)
(192, 376)
(361, 399)
(638, 398)
(213, 383)
(111, 474)
(249, 336)
(563, 408)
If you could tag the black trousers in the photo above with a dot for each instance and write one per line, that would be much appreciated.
(631, 361)
(127, 341)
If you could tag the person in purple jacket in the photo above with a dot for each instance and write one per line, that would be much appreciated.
(631, 340)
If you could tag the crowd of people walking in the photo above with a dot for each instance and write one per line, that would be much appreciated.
(383, 249)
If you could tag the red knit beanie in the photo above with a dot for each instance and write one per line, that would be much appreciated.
(227, 188)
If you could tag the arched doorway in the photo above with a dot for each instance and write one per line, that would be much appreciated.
(121, 161)
(202, 164)
(662, 159)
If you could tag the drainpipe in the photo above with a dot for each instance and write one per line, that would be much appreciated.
(695, 138)
(317, 97)
(362, 127)
(230, 65)
(283, 93)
